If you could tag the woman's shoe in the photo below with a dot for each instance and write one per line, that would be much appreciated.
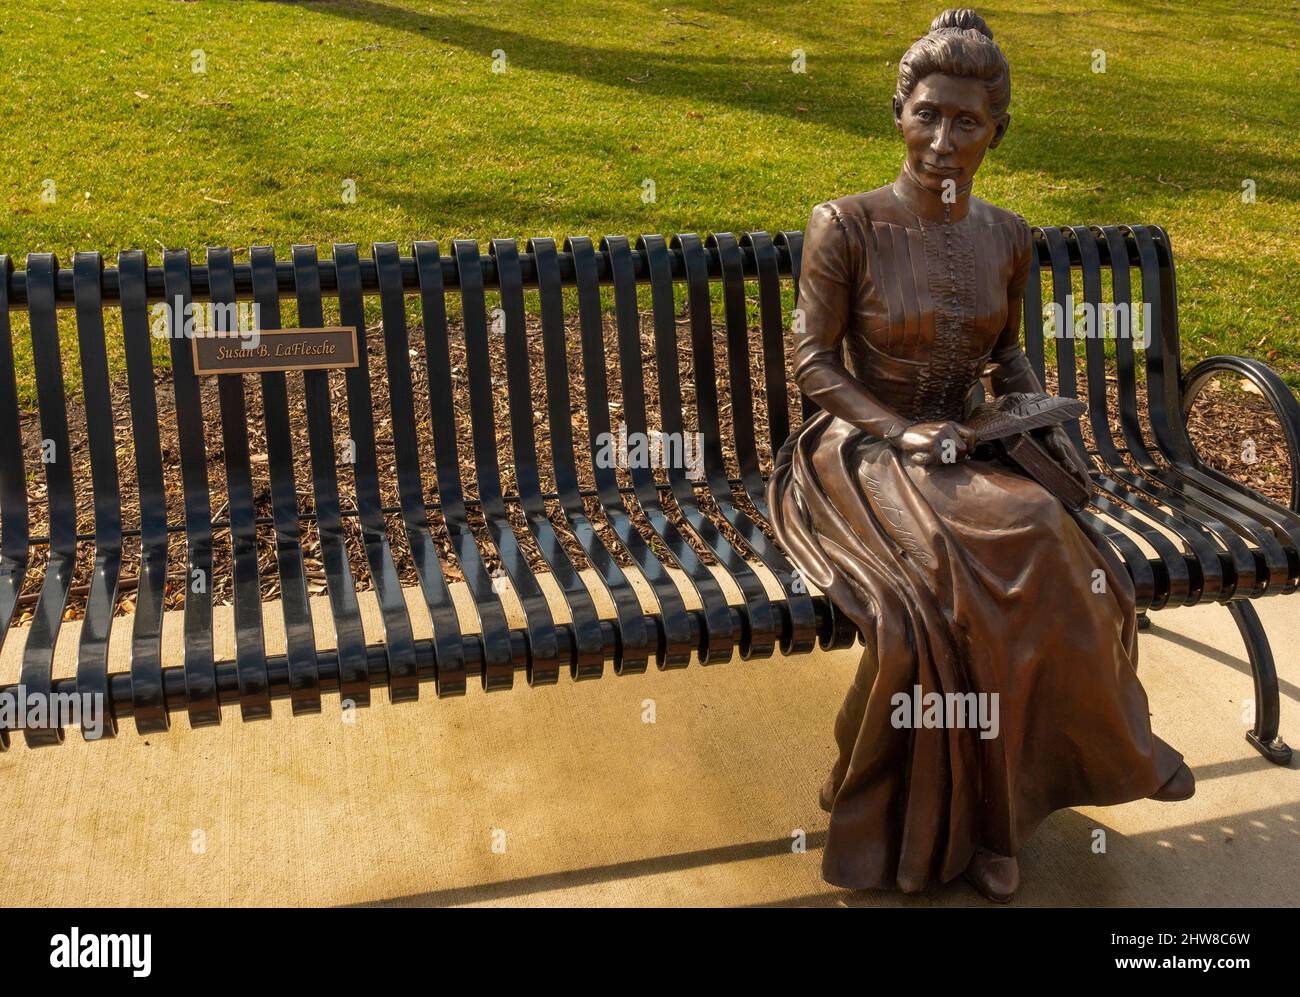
(826, 798)
(996, 877)
(1179, 786)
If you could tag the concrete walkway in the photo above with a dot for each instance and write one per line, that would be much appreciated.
(568, 795)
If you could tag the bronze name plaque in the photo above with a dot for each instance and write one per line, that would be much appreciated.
(276, 349)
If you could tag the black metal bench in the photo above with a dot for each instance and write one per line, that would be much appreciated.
(1188, 533)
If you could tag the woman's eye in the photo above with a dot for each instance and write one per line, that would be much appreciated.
(969, 122)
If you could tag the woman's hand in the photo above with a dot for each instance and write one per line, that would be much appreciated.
(1060, 446)
(935, 442)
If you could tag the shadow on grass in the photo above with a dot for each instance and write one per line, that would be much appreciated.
(746, 82)
(1093, 147)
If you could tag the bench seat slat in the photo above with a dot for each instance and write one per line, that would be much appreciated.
(1170, 430)
(1192, 503)
(799, 629)
(634, 642)
(403, 669)
(832, 624)
(677, 636)
(1205, 577)
(772, 326)
(588, 659)
(448, 660)
(1171, 575)
(761, 624)
(495, 648)
(543, 651)
(722, 623)
(1140, 569)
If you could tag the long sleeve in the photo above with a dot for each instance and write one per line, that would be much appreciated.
(825, 300)
(1011, 367)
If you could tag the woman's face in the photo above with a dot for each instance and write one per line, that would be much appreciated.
(947, 126)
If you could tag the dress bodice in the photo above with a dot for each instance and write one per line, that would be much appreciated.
(905, 311)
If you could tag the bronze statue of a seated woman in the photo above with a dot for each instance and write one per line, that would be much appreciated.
(964, 575)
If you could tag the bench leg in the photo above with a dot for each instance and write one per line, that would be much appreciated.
(1264, 735)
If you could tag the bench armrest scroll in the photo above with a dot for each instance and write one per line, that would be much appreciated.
(1275, 391)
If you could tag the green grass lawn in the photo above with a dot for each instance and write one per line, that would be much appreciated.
(101, 99)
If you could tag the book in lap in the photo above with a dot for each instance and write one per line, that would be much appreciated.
(1014, 423)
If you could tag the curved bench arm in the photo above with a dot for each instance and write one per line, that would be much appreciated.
(1271, 386)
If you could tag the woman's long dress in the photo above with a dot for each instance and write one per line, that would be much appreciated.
(964, 577)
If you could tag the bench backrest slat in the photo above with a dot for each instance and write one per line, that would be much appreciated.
(760, 628)
(148, 697)
(450, 677)
(15, 533)
(200, 674)
(772, 324)
(92, 652)
(353, 667)
(542, 646)
(37, 674)
(399, 641)
(738, 365)
(496, 669)
(304, 672)
(586, 658)
(250, 644)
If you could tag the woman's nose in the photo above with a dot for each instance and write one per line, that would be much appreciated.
(942, 144)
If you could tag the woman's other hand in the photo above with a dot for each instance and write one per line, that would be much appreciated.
(1060, 446)
(935, 442)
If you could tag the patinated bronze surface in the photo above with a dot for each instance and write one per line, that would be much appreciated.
(964, 574)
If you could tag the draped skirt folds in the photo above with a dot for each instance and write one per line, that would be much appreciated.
(964, 578)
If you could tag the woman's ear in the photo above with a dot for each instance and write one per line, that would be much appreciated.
(898, 115)
(1000, 131)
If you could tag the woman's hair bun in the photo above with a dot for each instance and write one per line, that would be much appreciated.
(959, 44)
(961, 19)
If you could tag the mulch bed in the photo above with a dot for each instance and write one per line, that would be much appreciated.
(1224, 419)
